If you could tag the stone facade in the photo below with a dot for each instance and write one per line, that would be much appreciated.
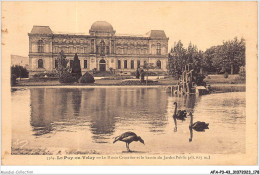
(102, 49)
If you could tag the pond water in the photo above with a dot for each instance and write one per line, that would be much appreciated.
(67, 120)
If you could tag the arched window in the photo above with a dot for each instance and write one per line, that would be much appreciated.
(158, 64)
(40, 46)
(158, 49)
(40, 63)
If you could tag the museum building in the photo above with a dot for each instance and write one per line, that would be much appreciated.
(102, 49)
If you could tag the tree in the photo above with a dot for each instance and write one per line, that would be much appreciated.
(227, 57)
(195, 57)
(62, 63)
(76, 69)
(19, 71)
(148, 66)
(177, 59)
(234, 54)
(137, 73)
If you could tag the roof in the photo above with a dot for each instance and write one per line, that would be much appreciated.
(41, 30)
(156, 34)
(101, 26)
(129, 35)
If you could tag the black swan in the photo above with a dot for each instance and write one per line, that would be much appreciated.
(180, 114)
(198, 126)
(128, 137)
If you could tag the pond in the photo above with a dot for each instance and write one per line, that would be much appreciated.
(86, 120)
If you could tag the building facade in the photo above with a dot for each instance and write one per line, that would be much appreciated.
(102, 49)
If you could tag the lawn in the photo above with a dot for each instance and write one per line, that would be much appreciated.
(122, 80)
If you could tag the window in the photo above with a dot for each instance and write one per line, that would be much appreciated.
(40, 46)
(138, 63)
(158, 49)
(125, 64)
(107, 50)
(112, 47)
(92, 46)
(132, 64)
(158, 64)
(71, 63)
(85, 64)
(40, 63)
(97, 49)
(56, 63)
(119, 64)
(102, 48)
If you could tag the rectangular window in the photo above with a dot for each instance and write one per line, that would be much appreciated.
(125, 64)
(107, 49)
(71, 63)
(158, 50)
(138, 63)
(85, 64)
(40, 46)
(119, 64)
(56, 63)
(132, 64)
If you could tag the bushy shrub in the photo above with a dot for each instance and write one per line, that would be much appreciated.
(50, 74)
(137, 74)
(13, 79)
(66, 77)
(76, 70)
(142, 76)
(199, 80)
(87, 78)
(19, 71)
(226, 75)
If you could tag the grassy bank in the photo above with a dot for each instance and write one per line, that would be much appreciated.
(228, 88)
(132, 81)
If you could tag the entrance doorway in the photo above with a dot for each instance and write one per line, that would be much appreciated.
(102, 65)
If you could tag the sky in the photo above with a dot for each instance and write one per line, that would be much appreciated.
(204, 24)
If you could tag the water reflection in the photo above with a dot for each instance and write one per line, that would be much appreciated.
(89, 119)
(98, 109)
